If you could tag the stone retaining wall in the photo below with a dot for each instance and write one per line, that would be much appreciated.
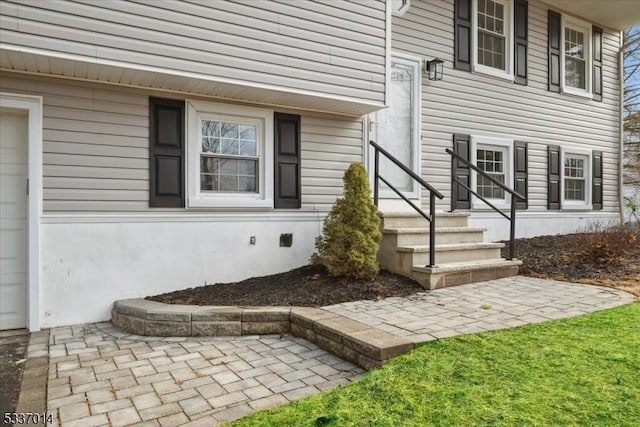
(351, 340)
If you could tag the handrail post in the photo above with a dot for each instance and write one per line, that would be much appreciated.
(512, 235)
(454, 186)
(376, 167)
(432, 230)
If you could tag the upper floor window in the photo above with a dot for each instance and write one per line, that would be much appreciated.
(576, 57)
(491, 34)
(493, 22)
(491, 38)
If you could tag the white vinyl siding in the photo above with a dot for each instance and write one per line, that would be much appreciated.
(96, 147)
(328, 48)
(476, 104)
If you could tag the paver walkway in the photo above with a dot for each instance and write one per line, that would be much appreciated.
(99, 375)
(479, 307)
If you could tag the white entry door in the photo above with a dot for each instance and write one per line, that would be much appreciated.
(13, 220)
(397, 128)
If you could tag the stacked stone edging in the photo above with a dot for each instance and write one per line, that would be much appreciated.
(349, 339)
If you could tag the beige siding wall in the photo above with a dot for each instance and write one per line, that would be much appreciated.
(333, 48)
(480, 105)
(96, 147)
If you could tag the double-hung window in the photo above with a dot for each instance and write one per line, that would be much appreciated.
(493, 41)
(492, 161)
(229, 160)
(493, 156)
(230, 155)
(576, 178)
(576, 57)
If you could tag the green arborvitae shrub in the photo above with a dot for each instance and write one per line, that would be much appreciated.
(348, 245)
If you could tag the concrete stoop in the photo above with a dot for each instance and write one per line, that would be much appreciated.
(461, 255)
(351, 340)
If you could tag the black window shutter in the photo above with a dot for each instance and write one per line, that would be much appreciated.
(287, 161)
(166, 153)
(520, 173)
(462, 35)
(597, 63)
(521, 17)
(554, 28)
(460, 196)
(596, 197)
(553, 177)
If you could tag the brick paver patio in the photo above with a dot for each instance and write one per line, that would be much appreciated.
(98, 375)
(101, 376)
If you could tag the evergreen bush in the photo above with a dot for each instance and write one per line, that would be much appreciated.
(348, 245)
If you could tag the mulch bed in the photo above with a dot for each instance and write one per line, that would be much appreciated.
(562, 257)
(306, 286)
(570, 257)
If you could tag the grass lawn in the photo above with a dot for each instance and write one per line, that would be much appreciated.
(583, 371)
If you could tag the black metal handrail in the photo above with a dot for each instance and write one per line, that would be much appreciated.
(433, 193)
(514, 195)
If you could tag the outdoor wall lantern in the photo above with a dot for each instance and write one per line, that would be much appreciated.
(435, 68)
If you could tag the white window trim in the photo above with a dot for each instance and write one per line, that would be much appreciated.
(573, 204)
(264, 197)
(401, 11)
(583, 26)
(492, 143)
(509, 40)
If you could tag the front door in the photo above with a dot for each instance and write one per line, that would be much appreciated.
(13, 220)
(397, 128)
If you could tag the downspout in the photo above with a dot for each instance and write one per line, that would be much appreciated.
(621, 127)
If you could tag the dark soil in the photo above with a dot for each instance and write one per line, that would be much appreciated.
(12, 353)
(306, 286)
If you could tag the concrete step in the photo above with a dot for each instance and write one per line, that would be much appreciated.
(460, 273)
(420, 235)
(461, 256)
(457, 252)
(413, 220)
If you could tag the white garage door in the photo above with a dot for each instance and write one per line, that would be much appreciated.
(13, 220)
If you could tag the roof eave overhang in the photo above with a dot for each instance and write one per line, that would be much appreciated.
(75, 67)
(615, 15)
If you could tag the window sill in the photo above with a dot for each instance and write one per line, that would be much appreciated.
(230, 202)
(492, 72)
(576, 207)
(479, 205)
(577, 93)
